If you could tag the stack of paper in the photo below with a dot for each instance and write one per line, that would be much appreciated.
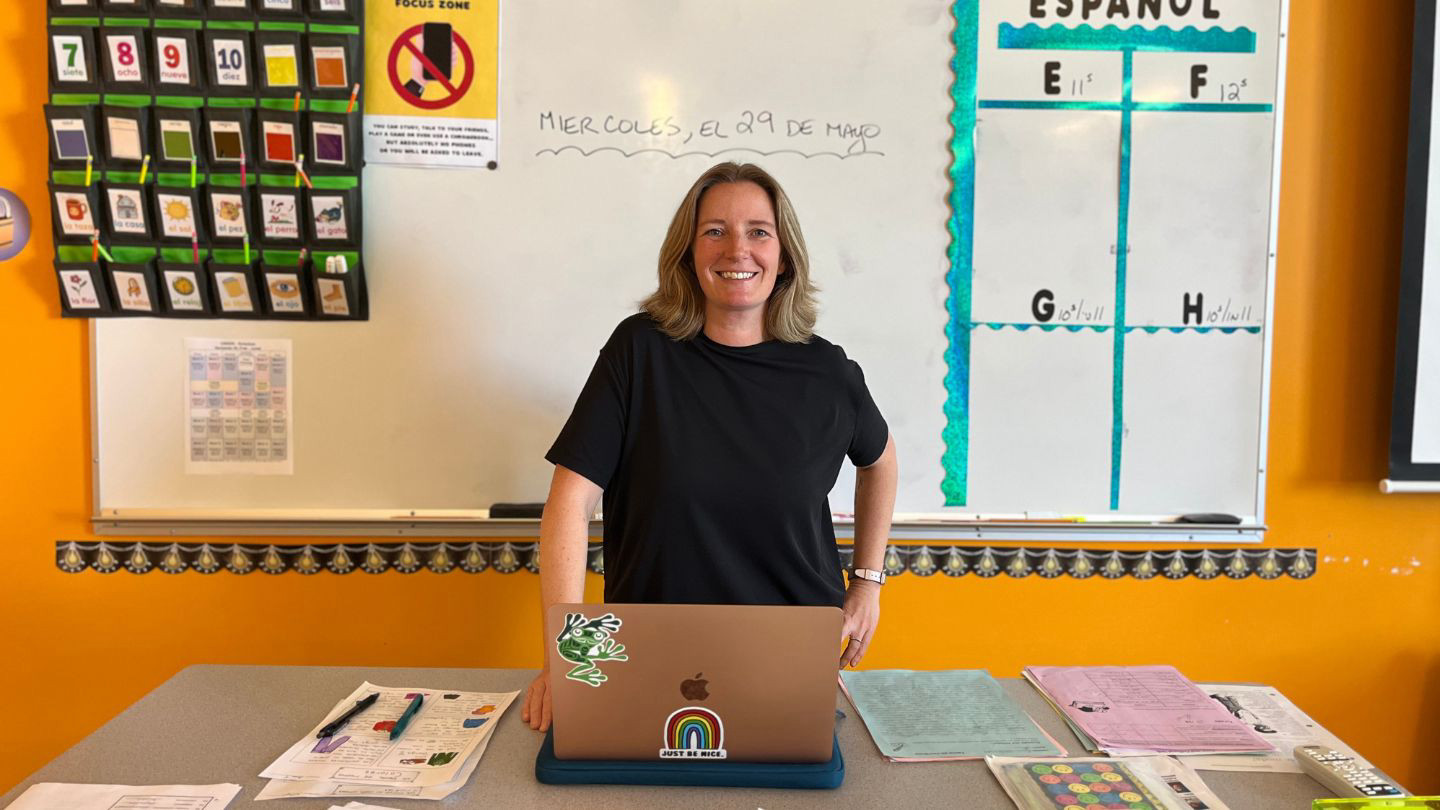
(951, 714)
(1155, 782)
(1142, 710)
(1277, 720)
(61, 796)
(434, 756)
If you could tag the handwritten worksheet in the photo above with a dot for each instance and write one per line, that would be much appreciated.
(1148, 709)
(432, 749)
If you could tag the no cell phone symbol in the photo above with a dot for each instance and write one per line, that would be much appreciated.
(431, 66)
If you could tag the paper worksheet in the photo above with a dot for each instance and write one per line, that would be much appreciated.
(949, 714)
(441, 739)
(359, 806)
(60, 796)
(319, 788)
(1155, 782)
(1273, 717)
(1144, 710)
(238, 408)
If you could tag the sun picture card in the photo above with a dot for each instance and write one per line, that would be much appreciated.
(177, 214)
(127, 213)
(280, 212)
(133, 288)
(72, 59)
(72, 134)
(177, 60)
(124, 59)
(186, 290)
(75, 212)
(178, 138)
(126, 132)
(227, 55)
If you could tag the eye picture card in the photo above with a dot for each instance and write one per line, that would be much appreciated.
(71, 53)
(330, 68)
(183, 290)
(177, 143)
(177, 215)
(127, 211)
(72, 142)
(123, 135)
(74, 214)
(280, 216)
(131, 291)
(279, 139)
(282, 66)
(284, 291)
(329, 142)
(330, 217)
(226, 142)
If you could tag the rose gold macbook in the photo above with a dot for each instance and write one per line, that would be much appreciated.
(694, 682)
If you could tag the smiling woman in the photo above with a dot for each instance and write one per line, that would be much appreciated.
(714, 425)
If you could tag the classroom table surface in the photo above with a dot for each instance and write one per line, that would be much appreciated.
(215, 724)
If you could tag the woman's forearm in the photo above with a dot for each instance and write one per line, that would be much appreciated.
(565, 540)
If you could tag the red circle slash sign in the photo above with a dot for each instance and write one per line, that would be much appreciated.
(457, 92)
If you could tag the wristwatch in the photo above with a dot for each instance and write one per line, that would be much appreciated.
(877, 577)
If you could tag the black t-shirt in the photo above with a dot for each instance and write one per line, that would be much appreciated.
(717, 462)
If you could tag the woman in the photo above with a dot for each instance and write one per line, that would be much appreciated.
(715, 423)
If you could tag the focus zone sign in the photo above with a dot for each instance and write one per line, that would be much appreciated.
(411, 69)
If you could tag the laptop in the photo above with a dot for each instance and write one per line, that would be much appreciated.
(730, 683)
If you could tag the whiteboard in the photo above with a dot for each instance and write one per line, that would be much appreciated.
(492, 291)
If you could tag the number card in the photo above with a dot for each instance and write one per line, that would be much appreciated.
(280, 216)
(126, 209)
(289, 9)
(335, 10)
(72, 134)
(177, 65)
(125, 60)
(228, 62)
(72, 59)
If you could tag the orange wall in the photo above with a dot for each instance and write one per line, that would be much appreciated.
(88, 645)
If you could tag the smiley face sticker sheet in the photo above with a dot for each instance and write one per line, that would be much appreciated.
(205, 158)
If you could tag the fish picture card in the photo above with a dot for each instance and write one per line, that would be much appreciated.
(126, 211)
(227, 62)
(178, 138)
(126, 135)
(229, 213)
(332, 216)
(175, 211)
(132, 287)
(74, 212)
(285, 294)
(186, 289)
(72, 134)
(125, 60)
(72, 59)
(280, 216)
(177, 60)
(278, 54)
(82, 291)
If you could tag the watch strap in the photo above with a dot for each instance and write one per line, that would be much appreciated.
(877, 577)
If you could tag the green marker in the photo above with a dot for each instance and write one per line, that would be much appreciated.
(405, 718)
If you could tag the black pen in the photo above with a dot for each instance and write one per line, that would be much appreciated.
(339, 722)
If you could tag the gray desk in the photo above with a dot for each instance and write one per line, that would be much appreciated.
(166, 738)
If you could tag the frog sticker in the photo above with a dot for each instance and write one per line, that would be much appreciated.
(584, 642)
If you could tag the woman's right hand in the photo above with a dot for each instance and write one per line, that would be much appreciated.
(536, 710)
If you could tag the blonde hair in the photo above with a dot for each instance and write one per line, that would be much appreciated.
(678, 305)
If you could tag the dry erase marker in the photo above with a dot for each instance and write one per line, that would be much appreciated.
(354, 93)
(297, 101)
(89, 168)
(405, 718)
(144, 169)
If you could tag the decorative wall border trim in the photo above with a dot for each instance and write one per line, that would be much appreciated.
(74, 556)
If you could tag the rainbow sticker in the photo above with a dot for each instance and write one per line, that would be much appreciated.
(693, 732)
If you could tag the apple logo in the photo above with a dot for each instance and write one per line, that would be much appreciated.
(694, 688)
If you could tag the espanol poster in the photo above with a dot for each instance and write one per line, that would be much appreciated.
(432, 77)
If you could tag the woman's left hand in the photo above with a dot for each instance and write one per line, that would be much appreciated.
(862, 614)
